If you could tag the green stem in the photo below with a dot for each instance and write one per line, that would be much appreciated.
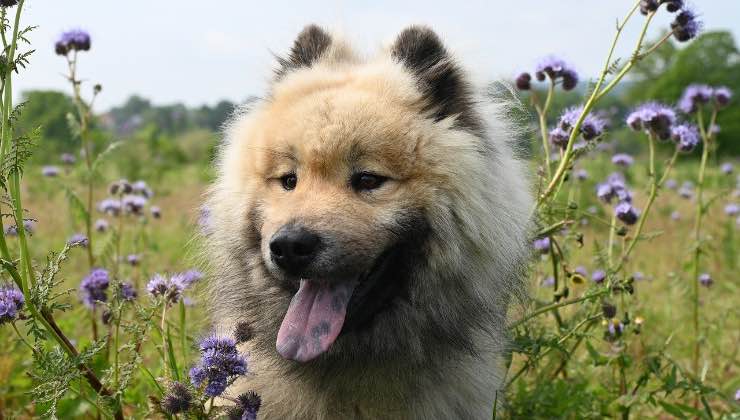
(552, 306)
(542, 113)
(595, 96)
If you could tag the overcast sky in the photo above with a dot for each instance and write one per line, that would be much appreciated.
(202, 51)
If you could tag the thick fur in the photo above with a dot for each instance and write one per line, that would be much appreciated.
(457, 203)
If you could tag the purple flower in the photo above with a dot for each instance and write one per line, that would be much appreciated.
(727, 168)
(191, 276)
(556, 68)
(178, 399)
(156, 212)
(68, 158)
(101, 225)
(50, 171)
(74, 40)
(672, 5)
(637, 275)
(548, 281)
(626, 213)
(122, 186)
(623, 159)
(110, 206)
(581, 174)
(693, 96)
(524, 81)
(11, 302)
(134, 204)
(542, 245)
(133, 259)
(168, 288)
(686, 25)
(78, 239)
(559, 137)
(93, 287)
(686, 137)
(715, 129)
(581, 270)
(675, 215)
(671, 184)
(737, 395)
(732, 209)
(247, 406)
(140, 187)
(220, 362)
(705, 279)
(128, 292)
(598, 276)
(592, 126)
(654, 118)
(722, 96)
(647, 6)
(687, 190)
(613, 187)
(615, 328)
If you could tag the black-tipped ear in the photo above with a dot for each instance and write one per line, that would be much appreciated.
(441, 81)
(308, 47)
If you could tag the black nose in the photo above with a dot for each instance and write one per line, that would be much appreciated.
(293, 248)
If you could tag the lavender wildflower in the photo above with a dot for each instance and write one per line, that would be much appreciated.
(523, 81)
(686, 137)
(705, 279)
(68, 158)
(623, 159)
(168, 288)
(156, 212)
(78, 239)
(675, 215)
(191, 276)
(11, 302)
(74, 40)
(50, 171)
(134, 204)
(556, 69)
(128, 292)
(626, 213)
(548, 281)
(686, 25)
(737, 395)
(581, 174)
(177, 399)
(247, 406)
(101, 225)
(648, 6)
(732, 209)
(727, 168)
(598, 276)
(592, 126)
(693, 96)
(672, 5)
(722, 96)
(133, 259)
(615, 328)
(671, 184)
(654, 118)
(220, 362)
(110, 206)
(93, 287)
(687, 190)
(140, 187)
(542, 245)
(638, 276)
(559, 137)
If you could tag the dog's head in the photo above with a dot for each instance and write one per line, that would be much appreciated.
(365, 196)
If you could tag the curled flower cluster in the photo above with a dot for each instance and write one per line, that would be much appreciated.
(220, 362)
(686, 137)
(247, 406)
(623, 159)
(598, 276)
(94, 286)
(101, 225)
(11, 302)
(542, 245)
(78, 239)
(128, 291)
(178, 399)
(686, 25)
(592, 126)
(654, 118)
(696, 95)
(50, 171)
(74, 40)
(554, 68)
(28, 226)
(68, 158)
(647, 6)
(705, 279)
(615, 187)
(169, 288)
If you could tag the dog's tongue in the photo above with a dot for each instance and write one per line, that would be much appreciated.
(314, 319)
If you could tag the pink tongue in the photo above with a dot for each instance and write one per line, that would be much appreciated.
(314, 319)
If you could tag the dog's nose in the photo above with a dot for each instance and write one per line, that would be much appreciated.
(293, 248)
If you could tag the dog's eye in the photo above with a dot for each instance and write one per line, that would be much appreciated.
(288, 181)
(366, 181)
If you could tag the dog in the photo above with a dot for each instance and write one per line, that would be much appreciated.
(370, 224)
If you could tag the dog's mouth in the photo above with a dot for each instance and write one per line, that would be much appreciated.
(322, 309)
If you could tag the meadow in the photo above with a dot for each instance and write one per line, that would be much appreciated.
(630, 308)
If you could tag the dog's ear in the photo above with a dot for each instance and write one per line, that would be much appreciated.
(309, 46)
(440, 79)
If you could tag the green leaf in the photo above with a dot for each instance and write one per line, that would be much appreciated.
(171, 355)
(672, 409)
(77, 205)
(102, 156)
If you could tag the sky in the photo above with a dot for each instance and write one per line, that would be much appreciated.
(199, 52)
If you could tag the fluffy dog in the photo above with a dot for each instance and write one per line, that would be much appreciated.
(370, 224)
